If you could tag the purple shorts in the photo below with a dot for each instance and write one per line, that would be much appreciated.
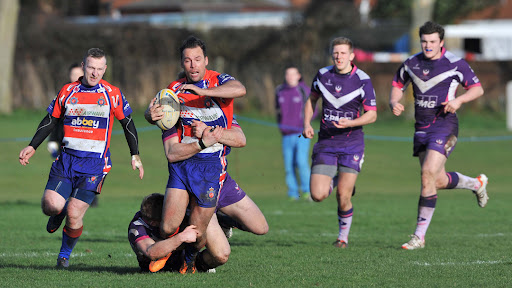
(442, 142)
(338, 155)
(230, 193)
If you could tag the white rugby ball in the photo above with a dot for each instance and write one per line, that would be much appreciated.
(171, 108)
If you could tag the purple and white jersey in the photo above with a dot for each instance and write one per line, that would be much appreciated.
(139, 230)
(343, 95)
(434, 82)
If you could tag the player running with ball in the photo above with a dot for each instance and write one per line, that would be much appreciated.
(435, 75)
(344, 89)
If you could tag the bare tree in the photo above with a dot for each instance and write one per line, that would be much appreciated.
(8, 24)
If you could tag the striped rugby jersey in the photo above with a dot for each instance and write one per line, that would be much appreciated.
(88, 114)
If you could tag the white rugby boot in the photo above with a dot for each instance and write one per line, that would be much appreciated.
(414, 243)
(481, 193)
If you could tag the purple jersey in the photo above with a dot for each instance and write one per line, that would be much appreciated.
(290, 106)
(343, 95)
(434, 82)
(139, 230)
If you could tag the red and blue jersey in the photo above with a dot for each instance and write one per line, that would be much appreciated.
(209, 110)
(88, 114)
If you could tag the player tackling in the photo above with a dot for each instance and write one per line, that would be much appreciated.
(435, 75)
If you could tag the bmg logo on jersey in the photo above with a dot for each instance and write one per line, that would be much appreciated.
(84, 122)
(335, 115)
(426, 101)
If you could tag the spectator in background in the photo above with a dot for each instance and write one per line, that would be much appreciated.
(55, 139)
(290, 99)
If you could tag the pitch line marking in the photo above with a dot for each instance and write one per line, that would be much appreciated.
(477, 262)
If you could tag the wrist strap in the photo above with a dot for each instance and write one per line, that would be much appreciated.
(201, 144)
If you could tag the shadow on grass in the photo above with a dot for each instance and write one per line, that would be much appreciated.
(19, 203)
(78, 267)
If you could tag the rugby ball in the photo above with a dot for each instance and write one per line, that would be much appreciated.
(171, 108)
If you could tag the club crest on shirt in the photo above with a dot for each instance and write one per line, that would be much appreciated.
(101, 101)
(337, 88)
(73, 100)
(425, 72)
(439, 141)
(356, 158)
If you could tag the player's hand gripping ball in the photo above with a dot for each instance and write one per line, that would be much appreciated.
(171, 108)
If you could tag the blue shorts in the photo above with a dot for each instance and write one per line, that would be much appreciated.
(346, 156)
(230, 193)
(78, 177)
(202, 178)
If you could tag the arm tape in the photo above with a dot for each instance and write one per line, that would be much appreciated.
(43, 130)
(130, 133)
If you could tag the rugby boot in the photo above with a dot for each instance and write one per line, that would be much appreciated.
(481, 193)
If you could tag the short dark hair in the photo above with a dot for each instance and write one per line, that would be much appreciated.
(341, 41)
(95, 53)
(289, 66)
(73, 66)
(151, 207)
(432, 27)
(192, 42)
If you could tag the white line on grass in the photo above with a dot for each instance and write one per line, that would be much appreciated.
(477, 262)
(491, 235)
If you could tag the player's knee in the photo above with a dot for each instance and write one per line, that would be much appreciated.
(222, 258)
(49, 209)
(427, 175)
(318, 197)
(261, 229)
(167, 229)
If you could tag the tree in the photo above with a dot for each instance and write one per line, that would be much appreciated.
(8, 23)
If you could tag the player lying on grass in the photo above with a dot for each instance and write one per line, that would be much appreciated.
(435, 74)
(146, 242)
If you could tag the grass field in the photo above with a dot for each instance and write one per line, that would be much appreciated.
(467, 246)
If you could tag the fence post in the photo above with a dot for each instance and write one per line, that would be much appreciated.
(509, 105)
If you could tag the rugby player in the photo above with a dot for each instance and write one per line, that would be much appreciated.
(344, 89)
(87, 107)
(435, 75)
(205, 96)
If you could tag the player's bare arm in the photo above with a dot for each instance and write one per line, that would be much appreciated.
(230, 89)
(470, 95)
(154, 112)
(156, 250)
(309, 109)
(43, 130)
(367, 118)
(176, 151)
(233, 137)
(394, 101)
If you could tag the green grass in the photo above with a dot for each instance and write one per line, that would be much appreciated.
(466, 245)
